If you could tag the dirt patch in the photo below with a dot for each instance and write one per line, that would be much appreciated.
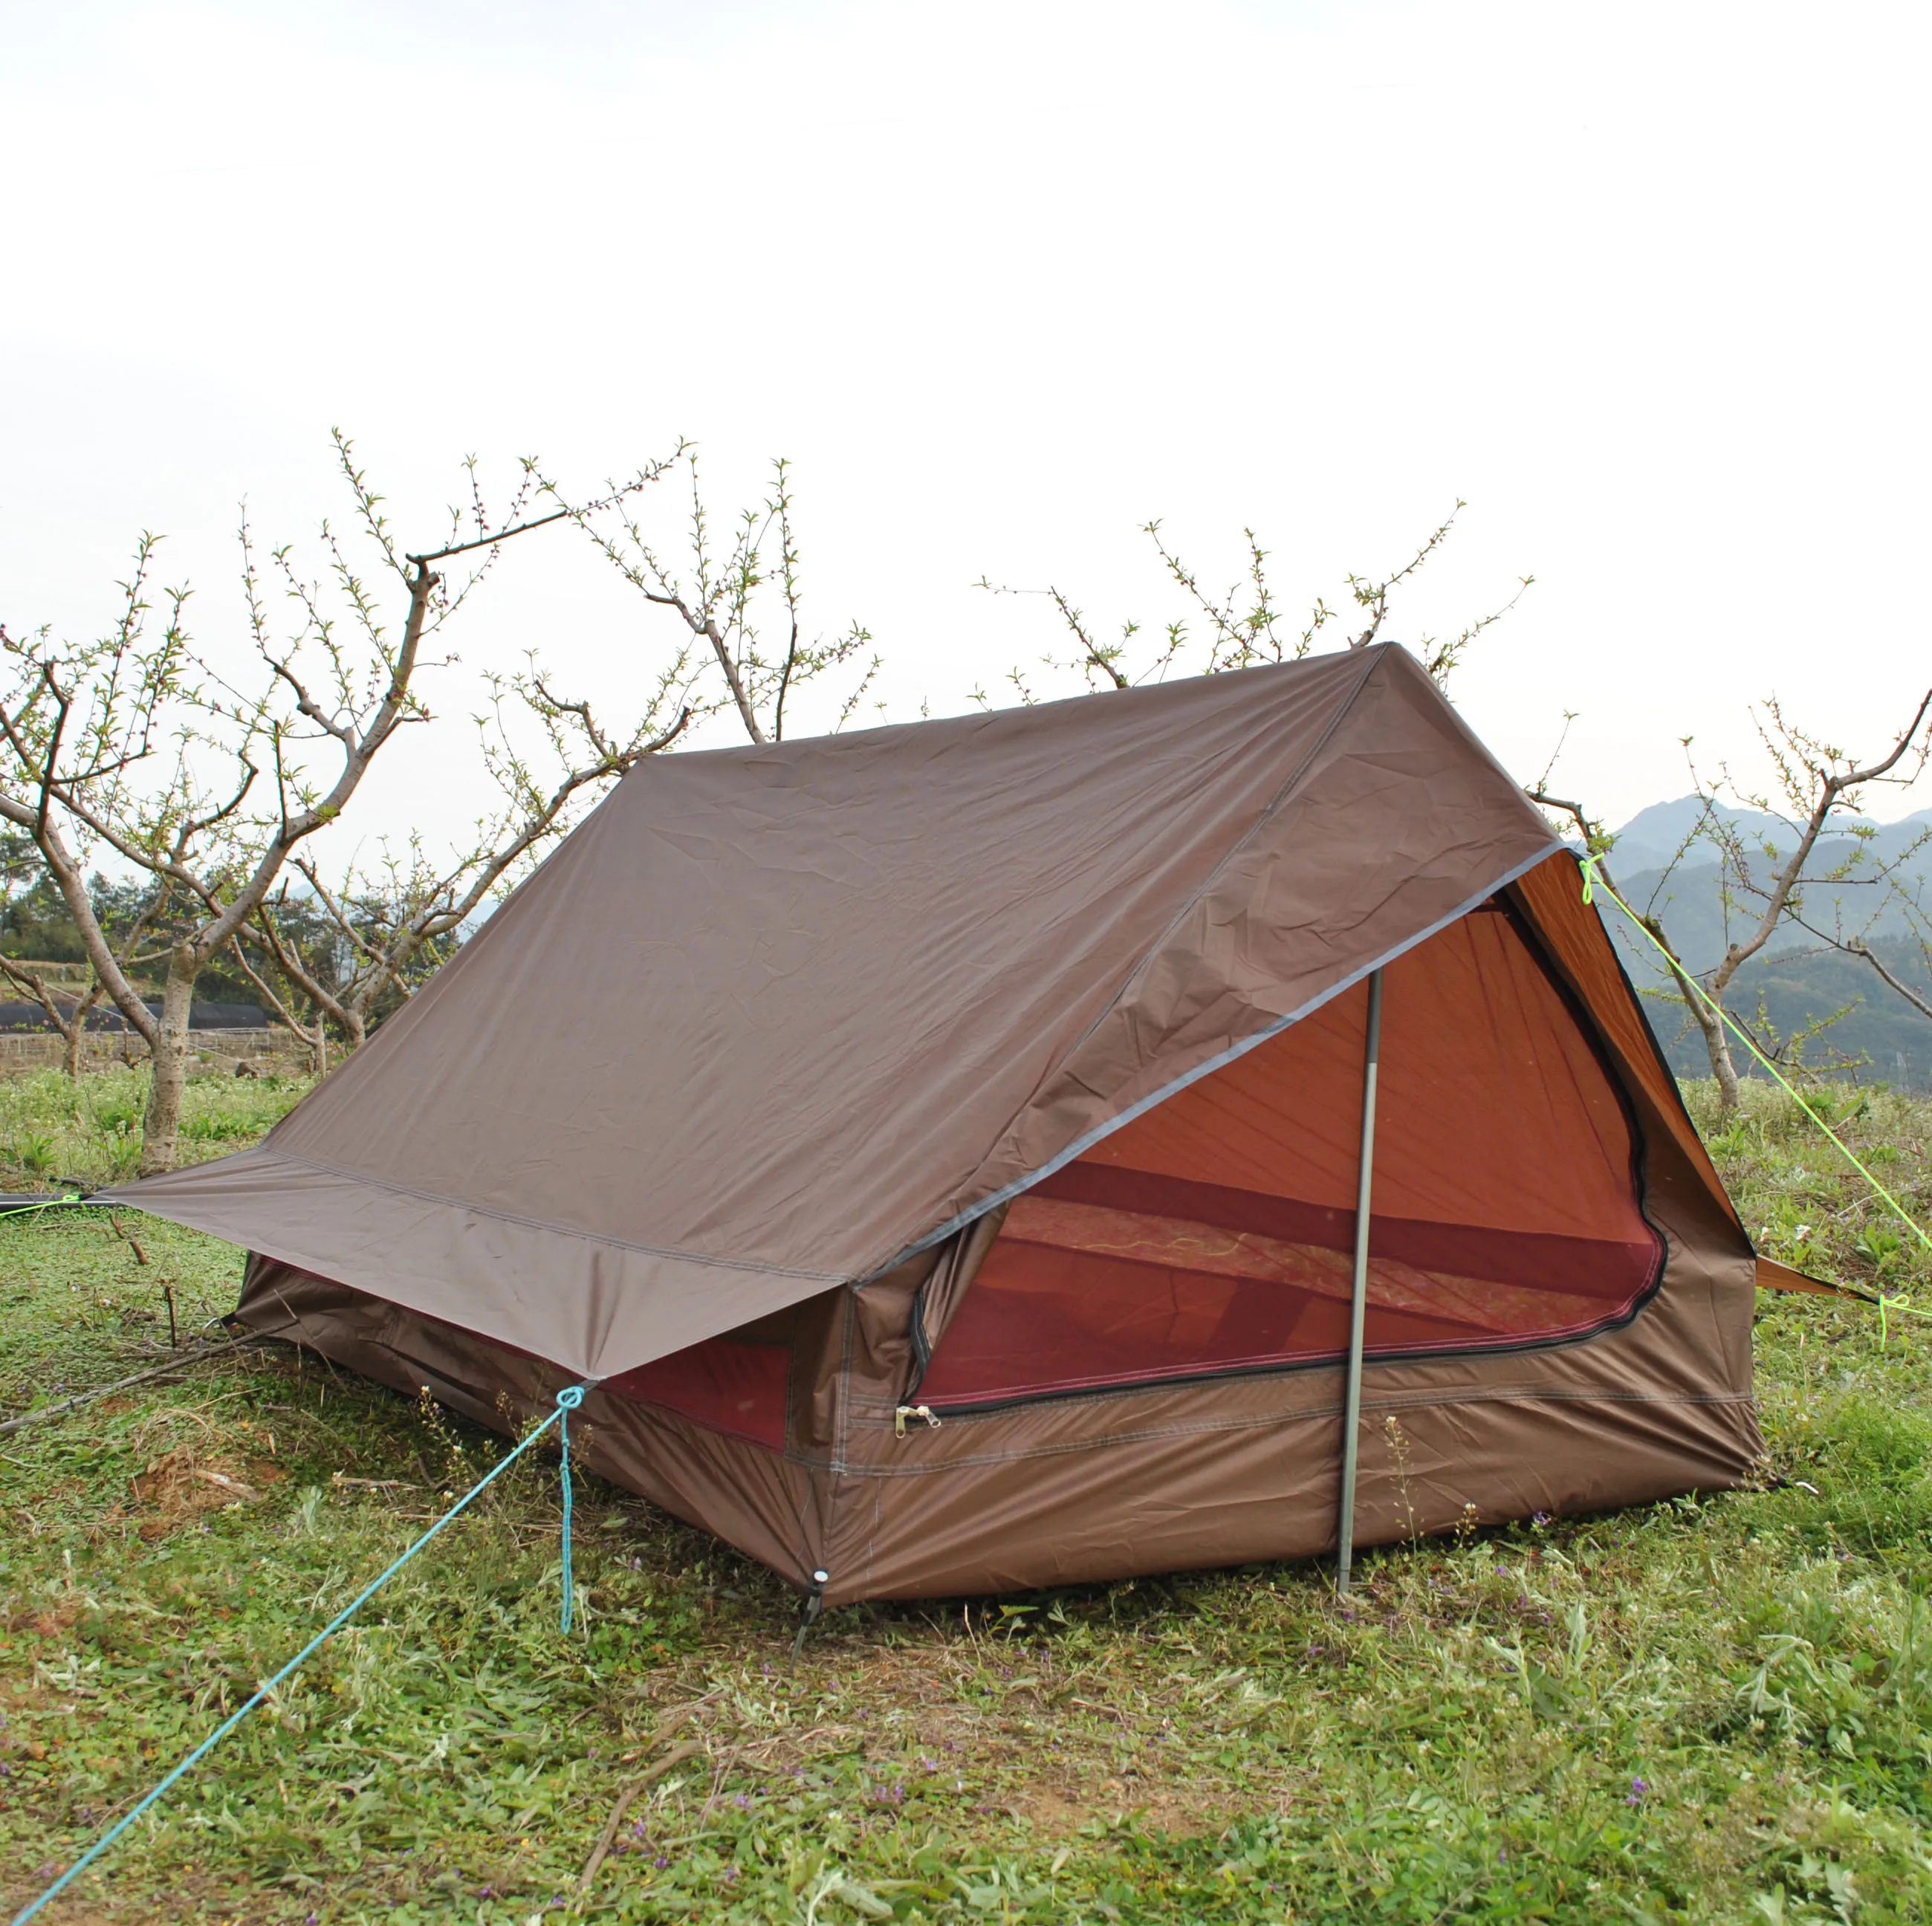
(1004, 1733)
(1063, 1806)
(181, 1484)
(1056, 1808)
(46, 1624)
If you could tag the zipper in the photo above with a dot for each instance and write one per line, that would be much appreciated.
(921, 1348)
(921, 1355)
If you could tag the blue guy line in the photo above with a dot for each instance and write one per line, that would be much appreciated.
(568, 1400)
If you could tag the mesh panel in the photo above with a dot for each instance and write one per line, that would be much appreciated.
(724, 1383)
(1216, 1232)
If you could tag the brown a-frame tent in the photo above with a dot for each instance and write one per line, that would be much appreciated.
(939, 1147)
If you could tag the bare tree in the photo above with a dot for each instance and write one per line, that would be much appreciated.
(1239, 628)
(138, 748)
(741, 602)
(66, 1014)
(743, 652)
(1900, 896)
(66, 1011)
(386, 924)
(1598, 844)
(1762, 880)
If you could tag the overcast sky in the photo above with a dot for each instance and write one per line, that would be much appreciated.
(1645, 284)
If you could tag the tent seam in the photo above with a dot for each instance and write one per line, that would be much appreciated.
(1100, 1132)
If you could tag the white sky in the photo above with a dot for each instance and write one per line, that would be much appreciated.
(1646, 283)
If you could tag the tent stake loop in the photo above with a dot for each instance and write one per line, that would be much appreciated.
(1352, 1414)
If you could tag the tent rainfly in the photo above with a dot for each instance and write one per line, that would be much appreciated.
(941, 1148)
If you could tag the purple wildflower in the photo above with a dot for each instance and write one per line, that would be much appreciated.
(1638, 1788)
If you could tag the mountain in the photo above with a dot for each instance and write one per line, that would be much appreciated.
(1792, 990)
(1647, 844)
(1654, 835)
(1797, 980)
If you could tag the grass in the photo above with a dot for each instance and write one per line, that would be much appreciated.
(90, 1131)
(1713, 1709)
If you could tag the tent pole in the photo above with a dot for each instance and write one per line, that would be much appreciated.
(1351, 1416)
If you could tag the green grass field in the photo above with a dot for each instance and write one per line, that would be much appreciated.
(1713, 1709)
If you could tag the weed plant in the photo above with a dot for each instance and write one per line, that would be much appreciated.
(1717, 1708)
(90, 1131)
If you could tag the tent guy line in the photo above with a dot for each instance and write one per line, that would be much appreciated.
(568, 1399)
(1592, 877)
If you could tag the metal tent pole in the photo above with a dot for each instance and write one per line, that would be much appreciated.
(1351, 1417)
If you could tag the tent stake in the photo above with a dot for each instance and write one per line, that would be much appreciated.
(1352, 1414)
(815, 1603)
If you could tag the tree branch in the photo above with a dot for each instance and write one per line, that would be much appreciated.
(486, 541)
(1857, 948)
(1832, 785)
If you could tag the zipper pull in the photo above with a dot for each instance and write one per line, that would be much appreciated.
(905, 1411)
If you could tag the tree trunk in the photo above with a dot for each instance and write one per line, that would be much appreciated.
(76, 1038)
(160, 1129)
(1718, 1044)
